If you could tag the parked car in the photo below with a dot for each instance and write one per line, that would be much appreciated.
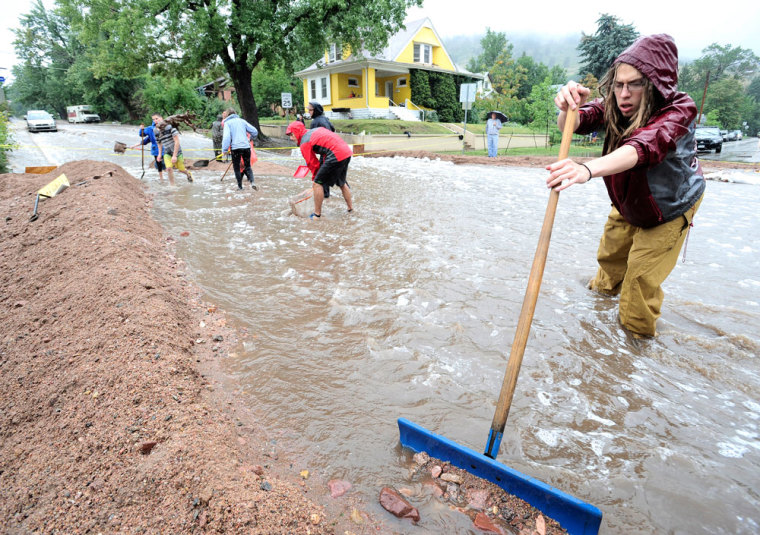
(739, 135)
(731, 136)
(709, 138)
(40, 121)
(724, 135)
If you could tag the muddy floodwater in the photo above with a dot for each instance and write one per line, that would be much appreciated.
(408, 308)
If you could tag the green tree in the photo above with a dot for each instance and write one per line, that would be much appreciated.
(268, 85)
(535, 73)
(419, 83)
(184, 35)
(720, 62)
(598, 51)
(492, 45)
(506, 78)
(541, 106)
(726, 99)
(56, 69)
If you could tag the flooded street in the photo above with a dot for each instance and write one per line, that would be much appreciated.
(408, 306)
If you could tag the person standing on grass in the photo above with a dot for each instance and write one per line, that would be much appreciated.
(332, 170)
(236, 138)
(148, 135)
(650, 169)
(169, 145)
(493, 125)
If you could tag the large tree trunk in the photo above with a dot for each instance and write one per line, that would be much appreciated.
(241, 77)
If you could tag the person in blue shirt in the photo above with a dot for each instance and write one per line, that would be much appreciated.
(236, 140)
(148, 135)
(493, 125)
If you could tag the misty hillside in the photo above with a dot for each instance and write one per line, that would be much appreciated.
(549, 50)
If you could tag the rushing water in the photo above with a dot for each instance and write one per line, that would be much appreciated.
(408, 308)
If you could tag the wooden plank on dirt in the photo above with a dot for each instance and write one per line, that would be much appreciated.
(40, 169)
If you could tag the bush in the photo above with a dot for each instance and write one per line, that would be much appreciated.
(5, 141)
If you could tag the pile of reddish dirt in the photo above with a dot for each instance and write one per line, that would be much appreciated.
(110, 416)
(533, 161)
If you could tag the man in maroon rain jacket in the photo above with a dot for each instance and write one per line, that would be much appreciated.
(650, 169)
(334, 167)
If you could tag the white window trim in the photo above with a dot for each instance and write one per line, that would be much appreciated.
(318, 89)
(335, 53)
(401, 82)
(422, 48)
(354, 80)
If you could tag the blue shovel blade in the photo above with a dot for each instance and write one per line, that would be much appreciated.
(576, 516)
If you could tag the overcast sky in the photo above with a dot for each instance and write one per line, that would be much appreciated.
(694, 25)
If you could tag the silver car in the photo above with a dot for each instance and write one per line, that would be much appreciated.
(40, 121)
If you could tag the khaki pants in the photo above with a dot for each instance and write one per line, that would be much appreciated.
(634, 262)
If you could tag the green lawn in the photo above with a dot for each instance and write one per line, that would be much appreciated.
(376, 126)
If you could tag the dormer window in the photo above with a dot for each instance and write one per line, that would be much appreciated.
(335, 53)
(423, 53)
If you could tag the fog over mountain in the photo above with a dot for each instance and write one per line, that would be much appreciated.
(547, 49)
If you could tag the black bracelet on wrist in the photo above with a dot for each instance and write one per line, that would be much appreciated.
(590, 175)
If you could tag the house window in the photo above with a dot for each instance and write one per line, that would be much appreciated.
(353, 82)
(423, 53)
(319, 89)
(335, 53)
(401, 82)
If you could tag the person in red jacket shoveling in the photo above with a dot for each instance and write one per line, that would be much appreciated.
(332, 172)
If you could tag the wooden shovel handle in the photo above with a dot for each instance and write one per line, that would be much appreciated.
(529, 302)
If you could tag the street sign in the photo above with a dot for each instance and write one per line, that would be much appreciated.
(466, 105)
(287, 100)
(2, 79)
(467, 92)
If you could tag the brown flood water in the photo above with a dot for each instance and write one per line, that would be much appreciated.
(408, 307)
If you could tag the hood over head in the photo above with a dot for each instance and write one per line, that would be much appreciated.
(656, 57)
(318, 109)
(298, 129)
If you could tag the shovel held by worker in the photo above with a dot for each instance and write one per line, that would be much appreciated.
(225, 172)
(528, 307)
(577, 517)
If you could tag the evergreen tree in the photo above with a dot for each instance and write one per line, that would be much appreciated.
(598, 51)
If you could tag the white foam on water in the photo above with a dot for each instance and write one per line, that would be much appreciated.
(550, 438)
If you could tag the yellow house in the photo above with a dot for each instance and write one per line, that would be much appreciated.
(364, 86)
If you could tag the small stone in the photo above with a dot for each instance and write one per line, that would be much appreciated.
(185, 234)
(258, 470)
(436, 471)
(315, 518)
(356, 517)
(452, 478)
(266, 485)
(147, 447)
(305, 474)
(338, 487)
(218, 338)
(395, 504)
(476, 499)
(421, 458)
(484, 523)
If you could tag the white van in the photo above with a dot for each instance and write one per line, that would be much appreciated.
(82, 114)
